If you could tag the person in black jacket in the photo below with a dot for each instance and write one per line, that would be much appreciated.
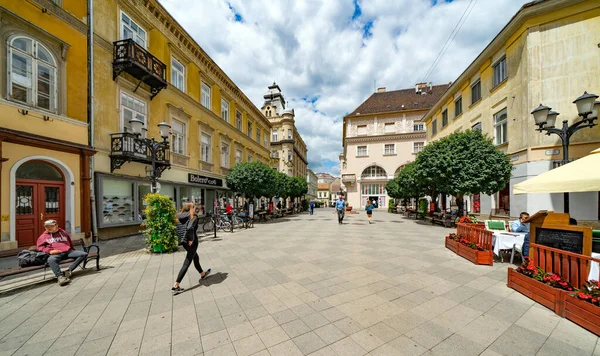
(190, 244)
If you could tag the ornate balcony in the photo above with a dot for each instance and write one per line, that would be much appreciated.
(132, 58)
(129, 147)
(348, 178)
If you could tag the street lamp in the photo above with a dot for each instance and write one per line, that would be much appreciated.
(156, 148)
(545, 119)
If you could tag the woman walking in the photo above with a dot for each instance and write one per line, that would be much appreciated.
(189, 241)
(369, 209)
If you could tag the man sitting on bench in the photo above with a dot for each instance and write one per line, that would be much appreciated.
(57, 243)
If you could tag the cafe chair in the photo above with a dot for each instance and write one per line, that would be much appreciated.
(518, 249)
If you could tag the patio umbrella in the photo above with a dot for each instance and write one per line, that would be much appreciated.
(582, 175)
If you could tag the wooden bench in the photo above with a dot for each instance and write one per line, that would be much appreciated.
(445, 219)
(90, 256)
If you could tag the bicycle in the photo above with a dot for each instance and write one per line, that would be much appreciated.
(222, 223)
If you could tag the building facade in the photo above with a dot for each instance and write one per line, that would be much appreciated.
(311, 179)
(288, 148)
(336, 190)
(160, 74)
(545, 54)
(324, 193)
(44, 148)
(379, 137)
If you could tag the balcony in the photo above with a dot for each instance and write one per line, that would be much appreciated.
(129, 147)
(130, 57)
(348, 178)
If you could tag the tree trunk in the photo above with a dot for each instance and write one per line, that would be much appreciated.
(460, 202)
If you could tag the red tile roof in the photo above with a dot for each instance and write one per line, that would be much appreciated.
(398, 100)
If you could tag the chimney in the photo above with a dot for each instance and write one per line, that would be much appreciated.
(381, 90)
(421, 88)
(430, 87)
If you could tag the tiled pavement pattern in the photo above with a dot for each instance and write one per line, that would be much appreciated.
(297, 286)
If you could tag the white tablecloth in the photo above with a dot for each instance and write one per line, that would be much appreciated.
(594, 268)
(506, 240)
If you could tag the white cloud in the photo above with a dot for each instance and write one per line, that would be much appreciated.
(315, 49)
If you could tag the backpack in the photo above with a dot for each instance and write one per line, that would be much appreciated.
(183, 230)
(28, 258)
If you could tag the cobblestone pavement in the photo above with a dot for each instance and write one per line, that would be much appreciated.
(303, 285)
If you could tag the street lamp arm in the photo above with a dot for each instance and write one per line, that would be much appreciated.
(580, 125)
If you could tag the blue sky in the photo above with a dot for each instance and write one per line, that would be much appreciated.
(327, 55)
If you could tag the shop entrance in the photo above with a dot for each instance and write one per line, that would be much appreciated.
(40, 196)
(374, 201)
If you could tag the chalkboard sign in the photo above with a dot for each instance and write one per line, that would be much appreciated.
(571, 241)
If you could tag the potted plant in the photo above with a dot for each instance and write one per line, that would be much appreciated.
(160, 223)
(452, 242)
(583, 308)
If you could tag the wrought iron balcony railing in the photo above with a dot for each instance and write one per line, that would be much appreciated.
(129, 147)
(132, 58)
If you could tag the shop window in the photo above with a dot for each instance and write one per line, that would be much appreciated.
(184, 195)
(143, 190)
(117, 202)
(31, 73)
(130, 29)
(131, 107)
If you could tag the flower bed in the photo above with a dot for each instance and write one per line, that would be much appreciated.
(584, 307)
(548, 289)
(469, 250)
(451, 244)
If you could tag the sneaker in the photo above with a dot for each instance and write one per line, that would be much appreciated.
(62, 280)
(177, 290)
(67, 274)
(206, 273)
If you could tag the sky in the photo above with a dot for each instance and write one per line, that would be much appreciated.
(329, 56)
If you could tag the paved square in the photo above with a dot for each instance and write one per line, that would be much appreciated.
(302, 285)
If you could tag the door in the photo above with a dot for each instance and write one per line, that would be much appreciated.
(38, 200)
(374, 201)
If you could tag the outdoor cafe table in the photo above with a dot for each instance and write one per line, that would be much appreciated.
(506, 240)
(594, 269)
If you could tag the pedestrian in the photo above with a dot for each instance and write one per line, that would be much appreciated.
(340, 207)
(58, 244)
(369, 209)
(521, 226)
(312, 206)
(189, 243)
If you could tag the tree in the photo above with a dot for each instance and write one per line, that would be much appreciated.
(252, 179)
(431, 168)
(298, 186)
(393, 189)
(409, 185)
(282, 186)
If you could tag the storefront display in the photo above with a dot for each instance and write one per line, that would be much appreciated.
(117, 202)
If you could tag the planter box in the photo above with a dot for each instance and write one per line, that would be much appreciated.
(582, 313)
(477, 257)
(452, 245)
(551, 298)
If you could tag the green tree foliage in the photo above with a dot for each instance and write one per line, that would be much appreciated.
(252, 179)
(282, 186)
(409, 185)
(298, 187)
(160, 223)
(393, 189)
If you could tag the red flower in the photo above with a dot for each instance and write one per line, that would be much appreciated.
(584, 296)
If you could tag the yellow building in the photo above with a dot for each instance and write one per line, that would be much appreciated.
(149, 68)
(44, 152)
(547, 53)
(288, 148)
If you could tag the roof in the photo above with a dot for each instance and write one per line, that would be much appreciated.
(323, 186)
(336, 185)
(324, 175)
(398, 100)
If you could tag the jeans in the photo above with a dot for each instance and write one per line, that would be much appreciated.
(340, 214)
(525, 249)
(54, 260)
(311, 211)
(189, 256)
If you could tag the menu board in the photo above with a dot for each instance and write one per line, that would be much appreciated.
(571, 241)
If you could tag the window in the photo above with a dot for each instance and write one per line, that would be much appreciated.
(266, 140)
(418, 127)
(361, 151)
(476, 127)
(258, 135)
(289, 134)
(225, 110)
(458, 107)
(274, 136)
(374, 172)
(289, 155)
(131, 107)
(178, 130)
(205, 148)
(445, 118)
(501, 127)
(389, 127)
(249, 129)
(500, 71)
(238, 156)
(205, 96)
(475, 92)
(418, 146)
(362, 130)
(224, 155)
(130, 29)
(238, 120)
(389, 149)
(31, 73)
(433, 127)
(250, 158)
(177, 74)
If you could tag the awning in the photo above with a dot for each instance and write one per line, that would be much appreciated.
(582, 175)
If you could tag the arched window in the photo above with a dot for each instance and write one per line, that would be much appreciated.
(31, 73)
(374, 172)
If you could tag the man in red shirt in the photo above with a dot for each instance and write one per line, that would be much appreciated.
(58, 244)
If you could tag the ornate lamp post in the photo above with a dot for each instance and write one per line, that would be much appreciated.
(156, 149)
(545, 118)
